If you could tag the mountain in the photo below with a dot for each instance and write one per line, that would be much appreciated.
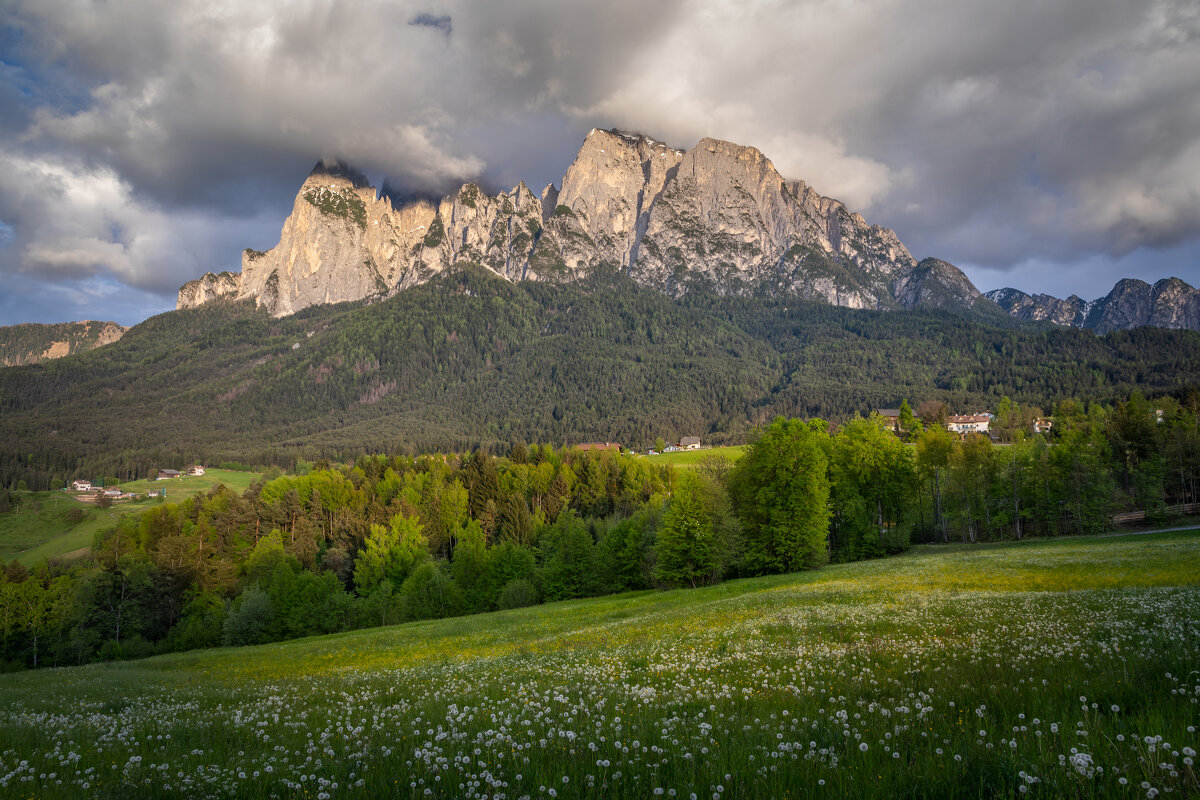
(718, 216)
(1169, 303)
(1071, 312)
(468, 358)
(32, 342)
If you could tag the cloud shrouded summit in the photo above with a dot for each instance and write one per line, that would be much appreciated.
(141, 144)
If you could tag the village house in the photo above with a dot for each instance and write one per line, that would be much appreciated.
(690, 443)
(968, 423)
(599, 446)
(167, 474)
(112, 493)
(1042, 425)
(195, 470)
(892, 415)
(81, 486)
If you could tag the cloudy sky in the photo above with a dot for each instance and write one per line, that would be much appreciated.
(1052, 146)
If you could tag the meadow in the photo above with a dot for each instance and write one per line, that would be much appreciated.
(1044, 668)
(690, 458)
(40, 527)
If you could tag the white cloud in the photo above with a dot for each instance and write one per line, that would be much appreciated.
(985, 133)
(72, 221)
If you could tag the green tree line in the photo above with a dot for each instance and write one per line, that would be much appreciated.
(386, 539)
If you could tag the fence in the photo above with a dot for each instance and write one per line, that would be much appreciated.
(1134, 517)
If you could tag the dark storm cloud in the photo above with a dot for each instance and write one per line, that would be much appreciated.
(443, 24)
(146, 142)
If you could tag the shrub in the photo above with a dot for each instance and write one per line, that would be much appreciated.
(517, 593)
(429, 594)
(250, 622)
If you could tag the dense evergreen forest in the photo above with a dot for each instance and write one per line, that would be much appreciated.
(469, 360)
(392, 538)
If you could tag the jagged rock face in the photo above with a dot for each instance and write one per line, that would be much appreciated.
(498, 232)
(1041, 307)
(610, 188)
(212, 286)
(1170, 303)
(722, 219)
(1175, 305)
(1128, 305)
(719, 215)
(729, 219)
(31, 343)
(339, 243)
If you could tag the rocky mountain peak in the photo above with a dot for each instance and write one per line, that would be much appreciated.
(1169, 303)
(336, 170)
(718, 215)
(610, 187)
(935, 284)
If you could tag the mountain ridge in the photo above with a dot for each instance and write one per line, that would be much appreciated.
(718, 216)
(1168, 303)
(469, 359)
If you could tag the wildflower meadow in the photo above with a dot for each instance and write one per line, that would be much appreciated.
(1066, 668)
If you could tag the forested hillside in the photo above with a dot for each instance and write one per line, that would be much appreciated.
(31, 343)
(470, 359)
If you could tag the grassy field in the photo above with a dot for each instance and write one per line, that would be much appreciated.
(31, 535)
(690, 458)
(1055, 668)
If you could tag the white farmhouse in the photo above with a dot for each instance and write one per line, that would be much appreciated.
(968, 423)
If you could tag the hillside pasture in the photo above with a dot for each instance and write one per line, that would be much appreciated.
(30, 535)
(690, 458)
(1060, 668)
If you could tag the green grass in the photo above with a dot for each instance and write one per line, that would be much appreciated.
(690, 458)
(1062, 666)
(190, 487)
(30, 536)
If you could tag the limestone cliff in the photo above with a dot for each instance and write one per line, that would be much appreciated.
(211, 286)
(729, 220)
(719, 216)
(610, 188)
(1169, 303)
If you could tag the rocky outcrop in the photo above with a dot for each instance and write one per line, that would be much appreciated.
(1041, 307)
(610, 188)
(340, 242)
(934, 283)
(729, 220)
(1174, 304)
(31, 343)
(212, 286)
(719, 216)
(1169, 303)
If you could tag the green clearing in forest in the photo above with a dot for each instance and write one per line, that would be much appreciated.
(690, 458)
(31, 534)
